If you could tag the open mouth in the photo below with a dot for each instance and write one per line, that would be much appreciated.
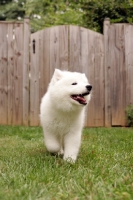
(80, 98)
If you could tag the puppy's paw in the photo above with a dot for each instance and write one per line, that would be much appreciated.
(69, 159)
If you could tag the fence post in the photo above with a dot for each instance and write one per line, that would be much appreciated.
(107, 74)
(26, 72)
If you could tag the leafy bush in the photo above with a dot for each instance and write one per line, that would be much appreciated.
(47, 13)
(96, 11)
(129, 115)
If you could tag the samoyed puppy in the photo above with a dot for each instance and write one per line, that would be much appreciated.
(62, 112)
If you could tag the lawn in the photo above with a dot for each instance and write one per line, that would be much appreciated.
(103, 171)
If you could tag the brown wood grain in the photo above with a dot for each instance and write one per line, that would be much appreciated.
(44, 61)
(3, 73)
(26, 66)
(34, 80)
(63, 47)
(18, 74)
(107, 74)
(10, 72)
(99, 81)
(129, 64)
(118, 73)
(54, 50)
(74, 48)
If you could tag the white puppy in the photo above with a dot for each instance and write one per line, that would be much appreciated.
(62, 112)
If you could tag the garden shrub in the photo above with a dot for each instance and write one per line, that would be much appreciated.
(129, 115)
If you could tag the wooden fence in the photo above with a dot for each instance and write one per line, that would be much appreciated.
(14, 73)
(27, 62)
(118, 48)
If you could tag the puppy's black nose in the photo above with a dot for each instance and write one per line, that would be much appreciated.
(89, 87)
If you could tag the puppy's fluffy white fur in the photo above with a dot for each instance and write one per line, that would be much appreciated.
(62, 113)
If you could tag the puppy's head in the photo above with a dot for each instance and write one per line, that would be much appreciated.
(69, 88)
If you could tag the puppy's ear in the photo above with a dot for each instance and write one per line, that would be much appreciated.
(58, 74)
(83, 75)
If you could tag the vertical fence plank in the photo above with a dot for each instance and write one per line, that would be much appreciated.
(26, 72)
(107, 74)
(3, 73)
(118, 75)
(74, 48)
(10, 72)
(63, 47)
(92, 109)
(99, 80)
(18, 74)
(129, 63)
(54, 49)
(84, 51)
(34, 80)
(44, 61)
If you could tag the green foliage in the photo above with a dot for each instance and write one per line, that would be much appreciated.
(96, 11)
(86, 13)
(129, 115)
(3, 2)
(46, 13)
(12, 10)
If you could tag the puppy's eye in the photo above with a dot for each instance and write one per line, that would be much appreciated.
(74, 83)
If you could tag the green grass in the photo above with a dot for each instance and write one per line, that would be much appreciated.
(103, 171)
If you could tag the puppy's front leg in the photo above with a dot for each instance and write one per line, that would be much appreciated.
(52, 142)
(71, 146)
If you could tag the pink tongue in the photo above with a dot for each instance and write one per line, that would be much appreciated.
(81, 99)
